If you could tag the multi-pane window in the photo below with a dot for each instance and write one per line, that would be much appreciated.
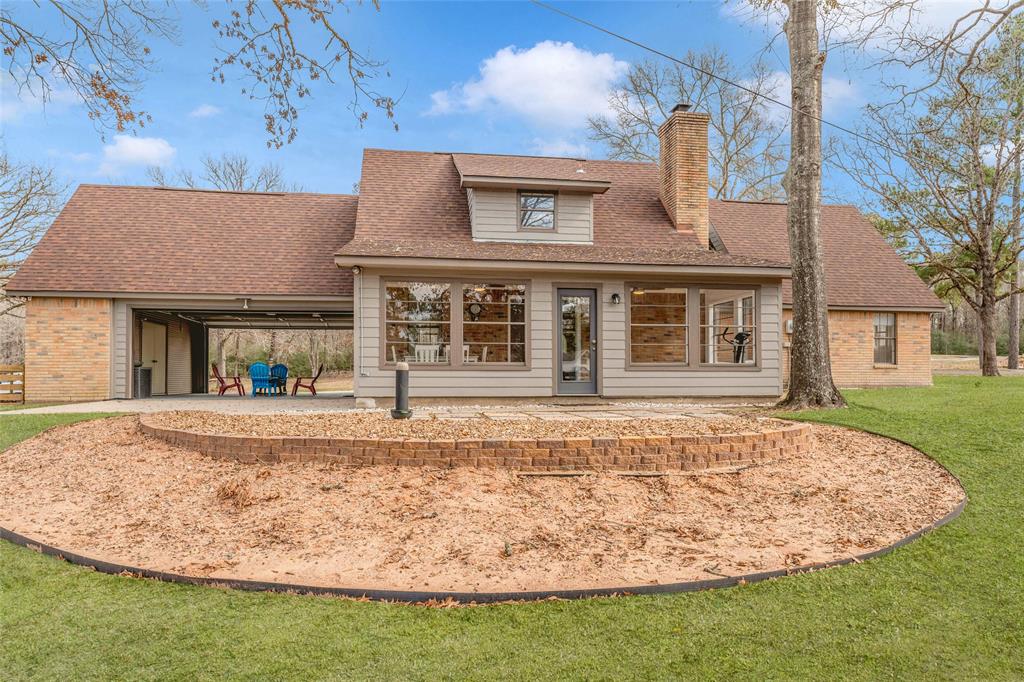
(417, 322)
(537, 210)
(657, 326)
(728, 331)
(885, 338)
(493, 323)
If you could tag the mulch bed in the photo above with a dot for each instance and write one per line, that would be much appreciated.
(104, 490)
(380, 425)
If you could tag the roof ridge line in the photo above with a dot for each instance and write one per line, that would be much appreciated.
(514, 156)
(209, 190)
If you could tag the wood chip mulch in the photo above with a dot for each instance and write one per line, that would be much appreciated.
(103, 489)
(381, 426)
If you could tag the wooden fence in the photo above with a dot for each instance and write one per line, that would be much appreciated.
(12, 383)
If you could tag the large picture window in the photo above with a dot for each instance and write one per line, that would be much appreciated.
(536, 210)
(417, 322)
(493, 323)
(728, 332)
(658, 328)
(885, 338)
(455, 323)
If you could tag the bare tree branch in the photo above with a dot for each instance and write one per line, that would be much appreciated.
(231, 172)
(30, 198)
(99, 52)
(747, 146)
(280, 68)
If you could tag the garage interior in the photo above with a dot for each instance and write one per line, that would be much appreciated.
(173, 345)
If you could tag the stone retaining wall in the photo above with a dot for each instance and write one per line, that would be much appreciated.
(623, 453)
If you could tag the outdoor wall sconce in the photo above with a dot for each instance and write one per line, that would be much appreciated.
(616, 299)
(355, 269)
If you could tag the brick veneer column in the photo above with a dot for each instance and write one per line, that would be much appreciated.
(67, 349)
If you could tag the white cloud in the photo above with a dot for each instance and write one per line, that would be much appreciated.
(560, 146)
(128, 151)
(552, 84)
(17, 102)
(77, 157)
(204, 111)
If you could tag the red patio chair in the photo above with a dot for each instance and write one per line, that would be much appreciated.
(301, 382)
(223, 385)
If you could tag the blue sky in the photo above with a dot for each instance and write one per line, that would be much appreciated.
(435, 52)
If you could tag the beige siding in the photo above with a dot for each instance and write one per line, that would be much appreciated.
(537, 380)
(179, 358)
(494, 215)
(120, 362)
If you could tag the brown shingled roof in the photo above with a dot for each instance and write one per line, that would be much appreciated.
(412, 197)
(861, 269)
(155, 240)
(552, 253)
(538, 167)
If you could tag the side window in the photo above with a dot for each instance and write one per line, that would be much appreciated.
(885, 338)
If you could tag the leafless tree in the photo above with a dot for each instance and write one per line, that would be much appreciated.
(233, 172)
(747, 146)
(30, 198)
(944, 181)
(100, 52)
(1010, 57)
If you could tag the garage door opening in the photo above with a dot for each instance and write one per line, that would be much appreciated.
(171, 352)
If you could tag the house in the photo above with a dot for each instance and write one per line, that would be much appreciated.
(490, 275)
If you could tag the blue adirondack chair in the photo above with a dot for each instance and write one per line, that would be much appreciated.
(279, 377)
(261, 380)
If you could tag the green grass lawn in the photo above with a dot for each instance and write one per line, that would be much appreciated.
(949, 606)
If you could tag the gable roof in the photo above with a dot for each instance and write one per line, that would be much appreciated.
(173, 241)
(861, 269)
(411, 203)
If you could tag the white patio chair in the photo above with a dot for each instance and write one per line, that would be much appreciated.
(427, 353)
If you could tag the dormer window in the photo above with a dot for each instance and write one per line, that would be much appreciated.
(537, 210)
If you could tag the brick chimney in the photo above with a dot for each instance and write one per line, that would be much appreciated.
(683, 139)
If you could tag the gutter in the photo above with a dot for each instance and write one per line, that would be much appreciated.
(779, 272)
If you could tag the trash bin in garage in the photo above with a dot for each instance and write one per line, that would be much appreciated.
(143, 382)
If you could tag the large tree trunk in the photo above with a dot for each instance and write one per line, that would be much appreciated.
(1013, 359)
(222, 352)
(987, 309)
(810, 375)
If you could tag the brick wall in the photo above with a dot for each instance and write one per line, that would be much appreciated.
(623, 453)
(67, 349)
(851, 344)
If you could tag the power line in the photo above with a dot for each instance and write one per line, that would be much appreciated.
(709, 74)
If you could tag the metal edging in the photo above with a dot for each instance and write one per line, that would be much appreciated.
(423, 596)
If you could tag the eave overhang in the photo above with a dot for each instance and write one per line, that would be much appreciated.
(543, 184)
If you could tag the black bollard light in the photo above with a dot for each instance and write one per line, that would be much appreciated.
(401, 410)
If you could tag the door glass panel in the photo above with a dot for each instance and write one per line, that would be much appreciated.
(576, 335)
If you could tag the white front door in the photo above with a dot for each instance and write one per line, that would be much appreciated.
(154, 355)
